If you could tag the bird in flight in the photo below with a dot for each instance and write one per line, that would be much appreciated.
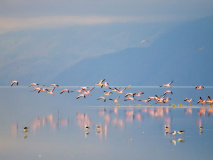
(12, 83)
(167, 85)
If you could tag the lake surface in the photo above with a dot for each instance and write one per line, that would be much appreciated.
(56, 125)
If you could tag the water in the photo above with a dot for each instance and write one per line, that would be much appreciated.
(57, 126)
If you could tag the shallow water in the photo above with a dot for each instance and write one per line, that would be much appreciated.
(57, 126)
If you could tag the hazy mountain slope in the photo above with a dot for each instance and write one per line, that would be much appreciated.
(184, 55)
(40, 55)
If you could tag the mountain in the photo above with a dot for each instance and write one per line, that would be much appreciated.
(39, 55)
(183, 55)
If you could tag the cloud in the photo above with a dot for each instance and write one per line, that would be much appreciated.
(12, 23)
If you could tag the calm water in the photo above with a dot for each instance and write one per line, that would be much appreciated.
(57, 126)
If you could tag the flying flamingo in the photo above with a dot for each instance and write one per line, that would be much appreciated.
(201, 101)
(33, 84)
(168, 91)
(130, 98)
(139, 94)
(209, 100)
(55, 85)
(102, 98)
(88, 91)
(115, 100)
(12, 83)
(84, 88)
(107, 93)
(167, 85)
(131, 94)
(79, 91)
(51, 91)
(145, 101)
(114, 90)
(100, 83)
(199, 87)
(37, 88)
(64, 90)
(189, 100)
(81, 95)
(120, 91)
(104, 85)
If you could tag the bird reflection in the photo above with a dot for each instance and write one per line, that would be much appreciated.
(111, 119)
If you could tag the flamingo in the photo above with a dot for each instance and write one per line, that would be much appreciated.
(100, 83)
(139, 94)
(154, 98)
(37, 88)
(199, 87)
(81, 95)
(168, 91)
(167, 100)
(55, 85)
(201, 101)
(130, 98)
(115, 100)
(209, 100)
(107, 93)
(102, 98)
(104, 85)
(64, 90)
(189, 100)
(33, 84)
(51, 91)
(145, 101)
(84, 88)
(114, 90)
(120, 91)
(167, 85)
(130, 94)
(79, 91)
(88, 91)
(42, 89)
(12, 83)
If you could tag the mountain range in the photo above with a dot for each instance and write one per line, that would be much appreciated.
(183, 55)
(85, 55)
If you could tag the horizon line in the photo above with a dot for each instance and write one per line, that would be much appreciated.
(77, 86)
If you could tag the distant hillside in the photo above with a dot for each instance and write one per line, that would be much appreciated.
(40, 55)
(184, 55)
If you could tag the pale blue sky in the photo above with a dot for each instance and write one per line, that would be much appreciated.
(25, 14)
(47, 37)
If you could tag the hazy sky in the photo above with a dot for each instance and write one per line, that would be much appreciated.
(21, 14)
(52, 35)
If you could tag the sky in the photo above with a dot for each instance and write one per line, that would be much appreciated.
(25, 14)
(47, 37)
